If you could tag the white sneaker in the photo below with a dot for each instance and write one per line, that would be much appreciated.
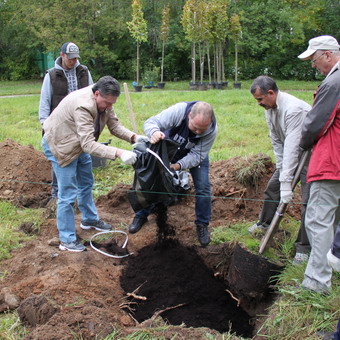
(333, 261)
(256, 228)
(300, 258)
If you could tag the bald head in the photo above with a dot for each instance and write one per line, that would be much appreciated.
(200, 117)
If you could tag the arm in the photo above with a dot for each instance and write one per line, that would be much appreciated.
(291, 149)
(90, 78)
(165, 120)
(45, 99)
(317, 118)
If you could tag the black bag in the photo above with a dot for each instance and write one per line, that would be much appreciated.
(154, 181)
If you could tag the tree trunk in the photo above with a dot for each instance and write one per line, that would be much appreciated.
(137, 70)
(236, 62)
(193, 63)
(162, 64)
(208, 60)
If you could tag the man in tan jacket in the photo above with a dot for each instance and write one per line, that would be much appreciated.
(70, 137)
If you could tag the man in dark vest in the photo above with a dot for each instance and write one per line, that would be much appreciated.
(66, 76)
(193, 126)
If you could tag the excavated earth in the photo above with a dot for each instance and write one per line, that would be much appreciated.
(166, 279)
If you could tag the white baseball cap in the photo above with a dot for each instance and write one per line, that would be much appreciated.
(323, 42)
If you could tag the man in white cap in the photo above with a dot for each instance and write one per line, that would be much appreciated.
(321, 131)
(66, 76)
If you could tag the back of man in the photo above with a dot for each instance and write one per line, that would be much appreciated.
(66, 76)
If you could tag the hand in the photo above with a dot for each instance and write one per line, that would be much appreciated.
(128, 157)
(140, 138)
(157, 136)
(333, 261)
(286, 196)
(286, 192)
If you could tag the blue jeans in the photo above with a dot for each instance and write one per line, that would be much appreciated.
(75, 181)
(200, 176)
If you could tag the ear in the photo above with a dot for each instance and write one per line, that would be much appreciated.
(271, 92)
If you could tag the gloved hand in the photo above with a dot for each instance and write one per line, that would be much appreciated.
(333, 261)
(128, 157)
(286, 192)
(141, 138)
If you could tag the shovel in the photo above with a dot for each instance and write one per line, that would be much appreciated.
(281, 209)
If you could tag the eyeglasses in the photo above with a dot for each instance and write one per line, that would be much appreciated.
(314, 60)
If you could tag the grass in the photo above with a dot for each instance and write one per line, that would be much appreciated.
(296, 314)
(11, 219)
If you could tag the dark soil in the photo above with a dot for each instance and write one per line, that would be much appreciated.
(59, 294)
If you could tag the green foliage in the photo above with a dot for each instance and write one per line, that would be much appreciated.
(138, 25)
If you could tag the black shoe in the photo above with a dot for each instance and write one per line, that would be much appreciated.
(137, 223)
(203, 234)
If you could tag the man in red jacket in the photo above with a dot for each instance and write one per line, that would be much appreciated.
(321, 131)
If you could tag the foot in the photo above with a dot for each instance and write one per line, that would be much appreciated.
(257, 228)
(98, 225)
(333, 261)
(203, 234)
(74, 246)
(300, 258)
(137, 224)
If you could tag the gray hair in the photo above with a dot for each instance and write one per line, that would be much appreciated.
(107, 86)
(264, 84)
(203, 108)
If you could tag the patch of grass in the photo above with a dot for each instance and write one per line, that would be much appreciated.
(235, 233)
(11, 219)
(11, 327)
(298, 313)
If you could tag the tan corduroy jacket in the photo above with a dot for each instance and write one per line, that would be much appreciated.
(70, 127)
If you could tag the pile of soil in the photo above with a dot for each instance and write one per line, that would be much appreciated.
(59, 294)
(25, 175)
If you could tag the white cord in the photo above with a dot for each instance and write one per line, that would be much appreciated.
(109, 232)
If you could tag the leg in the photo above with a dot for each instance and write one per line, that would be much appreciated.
(67, 192)
(302, 245)
(200, 176)
(271, 199)
(320, 221)
(54, 191)
(85, 182)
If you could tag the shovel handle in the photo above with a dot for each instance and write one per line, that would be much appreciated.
(281, 209)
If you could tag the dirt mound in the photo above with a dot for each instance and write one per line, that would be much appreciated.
(83, 290)
(25, 175)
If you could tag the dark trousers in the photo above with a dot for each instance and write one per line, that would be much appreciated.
(272, 200)
(336, 243)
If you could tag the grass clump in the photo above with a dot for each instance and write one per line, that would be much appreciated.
(250, 169)
(11, 219)
(11, 327)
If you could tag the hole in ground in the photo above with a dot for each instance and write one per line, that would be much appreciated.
(173, 281)
(172, 275)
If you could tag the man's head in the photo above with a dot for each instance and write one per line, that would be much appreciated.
(264, 90)
(200, 117)
(323, 51)
(69, 53)
(106, 91)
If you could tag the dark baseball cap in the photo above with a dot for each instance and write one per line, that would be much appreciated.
(71, 49)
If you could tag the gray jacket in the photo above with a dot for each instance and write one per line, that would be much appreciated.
(173, 117)
(285, 124)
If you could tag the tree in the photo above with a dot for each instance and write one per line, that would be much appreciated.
(164, 34)
(189, 21)
(235, 28)
(138, 29)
